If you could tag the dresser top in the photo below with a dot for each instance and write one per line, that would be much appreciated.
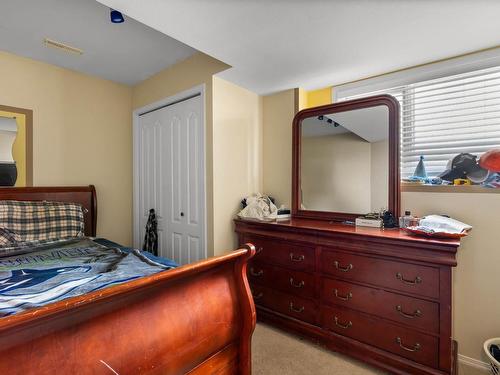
(334, 227)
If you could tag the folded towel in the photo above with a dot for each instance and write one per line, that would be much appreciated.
(438, 223)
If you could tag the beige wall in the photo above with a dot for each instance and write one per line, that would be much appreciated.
(336, 173)
(379, 175)
(476, 297)
(195, 70)
(278, 112)
(237, 151)
(81, 134)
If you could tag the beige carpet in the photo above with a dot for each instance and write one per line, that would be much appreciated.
(276, 352)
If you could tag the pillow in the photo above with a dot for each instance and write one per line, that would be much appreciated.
(23, 221)
(8, 237)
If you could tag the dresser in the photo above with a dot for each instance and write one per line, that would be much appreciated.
(381, 296)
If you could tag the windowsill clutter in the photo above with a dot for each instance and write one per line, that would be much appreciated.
(422, 188)
(462, 170)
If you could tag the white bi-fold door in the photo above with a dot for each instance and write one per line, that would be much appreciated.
(170, 178)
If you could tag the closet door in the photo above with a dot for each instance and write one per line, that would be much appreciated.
(171, 177)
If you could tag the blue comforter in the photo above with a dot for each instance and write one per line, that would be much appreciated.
(66, 270)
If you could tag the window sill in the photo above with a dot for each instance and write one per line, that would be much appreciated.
(447, 189)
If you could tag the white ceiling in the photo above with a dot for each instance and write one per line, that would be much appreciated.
(127, 53)
(281, 44)
(371, 124)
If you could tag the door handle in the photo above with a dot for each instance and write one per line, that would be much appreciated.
(256, 274)
(296, 285)
(416, 314)
(417, 279)
(294, 258)
(295, 309)
(343, 269)
(415, 347)
(343, 298)
(342, 325)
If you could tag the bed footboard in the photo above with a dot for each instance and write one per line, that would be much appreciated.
(195, 319)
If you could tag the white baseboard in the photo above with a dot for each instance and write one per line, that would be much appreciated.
(483, 367)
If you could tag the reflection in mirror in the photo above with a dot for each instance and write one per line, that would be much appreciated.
(345, 161)
(8, 134)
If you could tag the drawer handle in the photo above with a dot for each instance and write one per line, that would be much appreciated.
(298, 285)
(258, 296)
(415, 348)
(297, 310)
(343, 326)
(343, 269)
(416, 314)
(417, 280)
(347, 297)
(256, 274)
(299, 258)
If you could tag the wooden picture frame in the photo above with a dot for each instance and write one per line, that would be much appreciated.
(28, 113)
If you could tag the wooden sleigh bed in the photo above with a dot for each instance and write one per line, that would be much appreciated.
(195, 319)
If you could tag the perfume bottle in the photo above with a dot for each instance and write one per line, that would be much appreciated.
(406, 220)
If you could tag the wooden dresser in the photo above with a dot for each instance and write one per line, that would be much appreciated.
(381, 296)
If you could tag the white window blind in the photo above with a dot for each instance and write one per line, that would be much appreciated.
(443, 117)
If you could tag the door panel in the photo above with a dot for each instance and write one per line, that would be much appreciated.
(172, 179)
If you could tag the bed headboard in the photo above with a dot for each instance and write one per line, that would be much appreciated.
(84, 195)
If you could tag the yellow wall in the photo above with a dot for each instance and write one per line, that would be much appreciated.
(237, 145)
(195, 70)
(318, 97)
(82, 134)
(19, 146)
(476, 305)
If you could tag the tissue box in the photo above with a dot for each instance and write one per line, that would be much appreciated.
(363, 222)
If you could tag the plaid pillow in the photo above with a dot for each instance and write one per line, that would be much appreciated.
(8, 237)
(42, 220)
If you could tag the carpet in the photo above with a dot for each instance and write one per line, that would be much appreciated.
(277, 352)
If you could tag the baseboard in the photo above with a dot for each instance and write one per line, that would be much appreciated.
(476, 364)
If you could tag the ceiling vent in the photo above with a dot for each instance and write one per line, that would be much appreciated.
(62, 47)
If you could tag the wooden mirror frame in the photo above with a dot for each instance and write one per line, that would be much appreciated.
(394, 183)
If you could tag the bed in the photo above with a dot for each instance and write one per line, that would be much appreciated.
(194, 319)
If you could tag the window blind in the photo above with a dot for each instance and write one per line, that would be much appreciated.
(443, 117)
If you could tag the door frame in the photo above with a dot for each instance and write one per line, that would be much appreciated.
(171, 100)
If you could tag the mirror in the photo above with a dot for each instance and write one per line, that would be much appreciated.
(345, 159)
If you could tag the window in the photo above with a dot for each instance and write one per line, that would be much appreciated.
(443, 117)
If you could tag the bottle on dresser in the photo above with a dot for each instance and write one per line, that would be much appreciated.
(407, 220)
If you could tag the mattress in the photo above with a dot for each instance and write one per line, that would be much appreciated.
(55, 272)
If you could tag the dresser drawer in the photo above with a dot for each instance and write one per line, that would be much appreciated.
(262, 296)
(407, 310)
(288, 281)
(284, 253)
(299, 308)
(405, 277)
(373, 331)
(259, 273)
(294, 282)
